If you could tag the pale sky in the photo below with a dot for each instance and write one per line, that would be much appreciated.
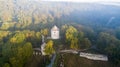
(85, 0)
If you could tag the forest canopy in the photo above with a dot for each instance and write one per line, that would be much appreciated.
(82, 26)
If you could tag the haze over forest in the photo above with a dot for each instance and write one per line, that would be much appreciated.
(93, 25)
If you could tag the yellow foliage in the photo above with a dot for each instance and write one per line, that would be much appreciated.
(49, 48)
(71, 35)
(13, 40)
(70, 32)
(44, 32)
(74, 43)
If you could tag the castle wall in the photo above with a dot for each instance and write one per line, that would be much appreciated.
(54, 34)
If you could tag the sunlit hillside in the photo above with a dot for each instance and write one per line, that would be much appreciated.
(37, 33)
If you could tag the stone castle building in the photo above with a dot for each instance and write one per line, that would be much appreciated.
(55, 32)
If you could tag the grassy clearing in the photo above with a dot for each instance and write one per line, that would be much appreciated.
(71, 60)
(38, 61)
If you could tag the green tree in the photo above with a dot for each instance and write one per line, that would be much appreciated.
(118, 33)
(28, 51)
(86, 43)
(105, 39)
(17, 54)
(6, 65)
(109, 44)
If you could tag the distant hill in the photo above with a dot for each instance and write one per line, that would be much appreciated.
(30, 12)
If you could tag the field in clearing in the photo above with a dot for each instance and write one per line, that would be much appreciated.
(71, 60)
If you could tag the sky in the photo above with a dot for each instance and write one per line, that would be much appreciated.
(86, 0)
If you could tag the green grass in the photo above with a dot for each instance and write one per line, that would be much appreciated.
(71, 60)
(38, 61)
(57, 60)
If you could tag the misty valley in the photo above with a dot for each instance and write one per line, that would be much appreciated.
(37, 33)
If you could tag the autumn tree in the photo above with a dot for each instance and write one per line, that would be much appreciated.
(71, 36)
(49, 49)
(74, 43)
(71, 33)
(44, 32)
(17, 54)
(19, 37)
